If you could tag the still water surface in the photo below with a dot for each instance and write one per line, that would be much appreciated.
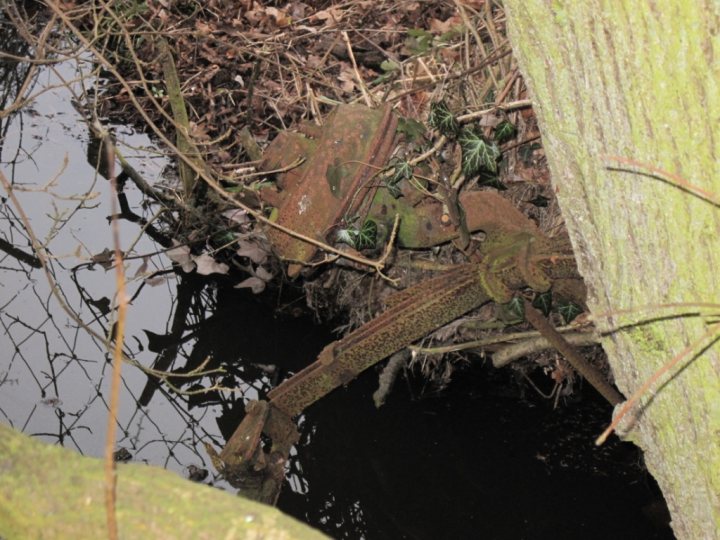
(474, 462)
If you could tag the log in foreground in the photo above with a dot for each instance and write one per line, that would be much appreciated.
(49, 492)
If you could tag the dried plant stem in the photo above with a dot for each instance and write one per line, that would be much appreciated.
(660, 174)
(711, 334)
(592, 375)
(201, 170)
(492, 340)
(121, 299)
(519, 104)
(361, 83)
(514, 351)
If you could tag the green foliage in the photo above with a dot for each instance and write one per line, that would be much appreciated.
(389, 65)
(491, 180)
(412, 129)
(364, 238)
(514, 310)
(390, 69)
(443, 120)
(505, 131)
(543, 302)
(539, 201)
(526, 151)
(419, 41)
(402, 170)
(568, 311)
(478, 154)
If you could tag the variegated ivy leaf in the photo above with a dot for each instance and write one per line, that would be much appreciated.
(504, 131)
(364, 238)
(412, 129)
(478, 154)
(543, 302)
(443, 120)
(402, 170)
(568, 311)
(367, 235)
(346, 236)
(515, 309)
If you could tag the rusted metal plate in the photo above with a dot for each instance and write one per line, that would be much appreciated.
(426, 224)
(335, 179)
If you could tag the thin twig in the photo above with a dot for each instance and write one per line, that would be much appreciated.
(592, 375)
(710, 335)
(201, 170)
(121, 298)
(361, 83)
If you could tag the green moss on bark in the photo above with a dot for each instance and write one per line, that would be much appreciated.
(50, 492)
(611, 78)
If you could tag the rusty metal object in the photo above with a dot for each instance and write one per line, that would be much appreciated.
(245, 464)
(334, 180)
(426, 224)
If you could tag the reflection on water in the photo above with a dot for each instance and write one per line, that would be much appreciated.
(467, 466)
(53, 375)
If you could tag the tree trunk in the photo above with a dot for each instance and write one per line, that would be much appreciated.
(641, 81)
(49, 492)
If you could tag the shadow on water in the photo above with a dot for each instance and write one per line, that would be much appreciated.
(473, 463)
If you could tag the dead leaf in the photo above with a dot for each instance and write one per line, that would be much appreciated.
(206, 265)
(155, 281)
(252, 251)
(281, 18)
(143, 267)
(181, 255)
(263, 274)
(439, 27)
(203, 29)
(255, 284)
(104, 258)
(237, 216)
(347, 80)
(331, 16)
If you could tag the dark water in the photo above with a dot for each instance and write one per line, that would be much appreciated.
(475, 462)
(469, 464)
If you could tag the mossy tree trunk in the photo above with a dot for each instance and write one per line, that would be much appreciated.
(640, 80)
(50, 492)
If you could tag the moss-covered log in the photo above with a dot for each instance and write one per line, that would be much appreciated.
(640, 81)
(50, 492)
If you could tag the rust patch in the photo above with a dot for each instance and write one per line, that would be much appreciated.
(333, 181)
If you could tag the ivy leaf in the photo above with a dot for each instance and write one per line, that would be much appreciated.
(389, 65)
(346, 236)
(394, 189)
(504, 131)
(568, 311)
(402, 170)
(526, 151)
(418, 41)
(514, 310)
(491, 180)
(543, 302)
(412, 129)
(366, 237)
(478, 154)
(443, 120)
(540, 201)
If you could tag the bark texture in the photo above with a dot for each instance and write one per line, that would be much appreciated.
(50, 492)
(640, 80)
